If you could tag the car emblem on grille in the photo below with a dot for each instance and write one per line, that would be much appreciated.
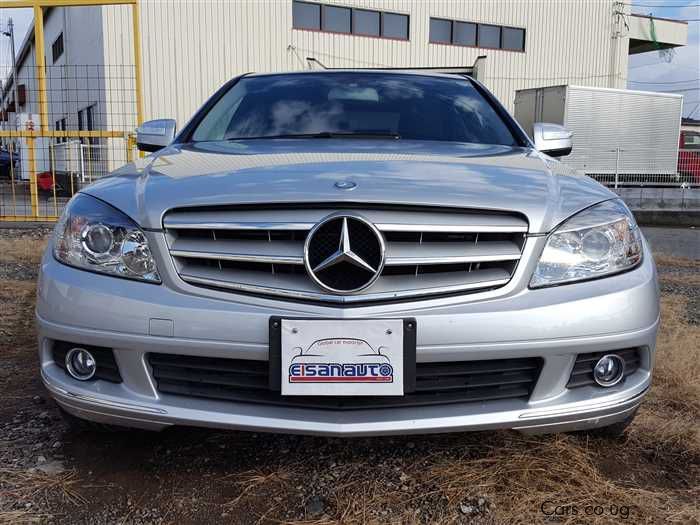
(345, 185)
(344, 253)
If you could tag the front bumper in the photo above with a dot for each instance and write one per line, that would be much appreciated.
(555, 324)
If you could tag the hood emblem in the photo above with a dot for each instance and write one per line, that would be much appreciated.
(344, 253)
(345, 185)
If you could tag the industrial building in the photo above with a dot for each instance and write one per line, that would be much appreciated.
(190, 47)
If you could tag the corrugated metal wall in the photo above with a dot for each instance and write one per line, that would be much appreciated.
(191, 47)
(644, 126)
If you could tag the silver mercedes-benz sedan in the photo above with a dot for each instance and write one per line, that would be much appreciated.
(349, 253)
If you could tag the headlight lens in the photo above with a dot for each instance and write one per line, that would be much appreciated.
(598, 241)
(94, 236)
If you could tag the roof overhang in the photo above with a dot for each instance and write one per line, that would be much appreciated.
(649, 33)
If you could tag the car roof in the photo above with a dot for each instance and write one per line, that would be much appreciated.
(414, 72)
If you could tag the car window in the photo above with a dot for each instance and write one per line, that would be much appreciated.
(410, 107)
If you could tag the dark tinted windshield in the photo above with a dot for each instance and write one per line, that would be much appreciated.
(354, 104)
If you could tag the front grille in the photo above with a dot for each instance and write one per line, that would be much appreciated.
(582, 374)
(247, 381)
(107, 368)
(261, 251)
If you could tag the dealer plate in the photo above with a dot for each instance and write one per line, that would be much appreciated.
(342, 357)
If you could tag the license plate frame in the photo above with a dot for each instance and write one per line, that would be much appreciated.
(275, 349)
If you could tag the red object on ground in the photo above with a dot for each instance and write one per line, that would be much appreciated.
(45, 180)
(689, 156)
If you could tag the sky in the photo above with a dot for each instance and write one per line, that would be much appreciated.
(650, 72)
(647, 71)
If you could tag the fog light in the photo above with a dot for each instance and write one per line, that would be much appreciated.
(80, 364)
(608, 371)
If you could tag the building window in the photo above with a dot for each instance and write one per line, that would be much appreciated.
(348, 20)
(366, 22)
(440, 31)
(306, 16)
(513, 39)
(489, 36)
(57, 48)
(476, 35)
(336, 19)
(395, 26)
(464, 34)
(60, 126)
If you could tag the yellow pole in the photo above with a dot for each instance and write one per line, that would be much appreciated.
(137, 62)
(33, 190)
(41, 66)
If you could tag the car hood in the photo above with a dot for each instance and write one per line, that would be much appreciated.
(456, 175)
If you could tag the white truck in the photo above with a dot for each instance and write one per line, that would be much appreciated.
(620, 136)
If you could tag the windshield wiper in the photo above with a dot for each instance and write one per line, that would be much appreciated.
(327, 135)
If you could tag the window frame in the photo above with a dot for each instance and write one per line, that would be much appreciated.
(357, 33)
(60, 125)
(524, 38)
(58, 39)
(476, 33)
(320, 15)
(323, 18)
(408, 26)
(451, 22)
(501, 27)
(352, 32)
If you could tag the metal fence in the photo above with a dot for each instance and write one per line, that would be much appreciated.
(65, 125)
(91, 119)
(678, 168)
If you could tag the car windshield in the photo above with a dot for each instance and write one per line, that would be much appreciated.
(356, 105)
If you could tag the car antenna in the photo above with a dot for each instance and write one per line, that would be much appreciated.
(312, 59)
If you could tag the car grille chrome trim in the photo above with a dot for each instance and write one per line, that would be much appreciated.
(427, 252)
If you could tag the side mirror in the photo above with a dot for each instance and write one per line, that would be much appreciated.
(552, 139)
(155, 134)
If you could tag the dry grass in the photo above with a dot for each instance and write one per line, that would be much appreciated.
(678, 262)
(677, 372)
(15, 318)
(23, 485)
(25, 251)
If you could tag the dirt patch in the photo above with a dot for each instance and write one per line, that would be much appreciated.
(50, 474)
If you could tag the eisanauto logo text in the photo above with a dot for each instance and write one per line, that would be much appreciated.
(367, 364)
(341, 373)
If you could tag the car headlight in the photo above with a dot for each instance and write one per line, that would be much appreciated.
(92, 235)
(598, 241)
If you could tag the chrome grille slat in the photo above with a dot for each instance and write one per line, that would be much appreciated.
(300, 287)
(278, 252)
(403, 253)
(428, 252)
(384, 220)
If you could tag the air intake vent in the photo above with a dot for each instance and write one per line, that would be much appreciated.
(246, 381)
(427, 253)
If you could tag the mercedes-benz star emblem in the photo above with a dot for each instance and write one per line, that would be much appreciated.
(344, 253)
(345, 185)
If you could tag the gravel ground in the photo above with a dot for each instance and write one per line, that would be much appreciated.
(51, 474)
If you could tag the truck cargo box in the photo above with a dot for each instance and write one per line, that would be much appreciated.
(615, 130)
